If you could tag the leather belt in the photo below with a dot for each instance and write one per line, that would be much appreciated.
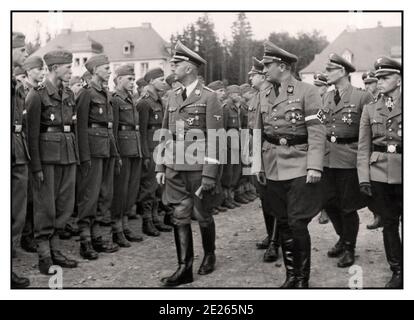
(100, 125)
(17, 128)
(335, 139)
(287, 141)
(391, 148)
(154, 127)
(128, 128)
(65, 128)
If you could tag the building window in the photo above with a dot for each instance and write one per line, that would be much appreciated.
(126, 49)
(84, 60)
(77, 62)
(144, 68)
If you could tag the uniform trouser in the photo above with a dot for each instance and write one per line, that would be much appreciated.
(343, 201)
(180, 188)
(19, 179)
(28, 225)
(148, 191)
(107, 192)
(389, 201)
(295, 204)
(53, 204)
(268, 214)
(231, 175)
(126, 187)
(88, 190)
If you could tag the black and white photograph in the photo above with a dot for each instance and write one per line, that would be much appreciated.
(206, 149)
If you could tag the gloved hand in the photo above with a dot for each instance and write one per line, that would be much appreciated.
(208, 183)
(118, 166)
(85, 167)
(365, 188)
(160, 178)
(261, 178)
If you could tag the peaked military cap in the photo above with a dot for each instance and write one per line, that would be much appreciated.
(58, 57)
(182, 53)
(384, 66)
(233, 89)
(257, 67)
(369, 77)
(216, 85)
(153, 74)
(141, 82)
(18, 40)
(96, 61)
(319, 79)
(338, 62)
(33, 62)
(272, 53)
(125, 70)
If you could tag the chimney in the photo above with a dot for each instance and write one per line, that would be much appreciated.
(66, 31)
(146, 25)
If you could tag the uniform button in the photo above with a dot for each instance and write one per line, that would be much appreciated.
(390, 129)
(390, 138)
(333, 126)
(333, 119)
(276, 127)
(389, 121)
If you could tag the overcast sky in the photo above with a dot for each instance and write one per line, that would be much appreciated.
(330, 24)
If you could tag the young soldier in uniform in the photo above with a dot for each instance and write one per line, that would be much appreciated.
(54, 153)
(128, 135)
(342, 112)
(292, 156)
(151, 114)
(232, 169)
(190, 108)
(271, 242)
(98, 153)
(321, 82)
(19, 154)
(35, 75)
(380, 160)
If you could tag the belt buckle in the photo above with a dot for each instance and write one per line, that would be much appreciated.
(66, 128)
(391, 148)
(283, 141)
(18, 128)
(137, 127)
(333, 139)
(109, 125)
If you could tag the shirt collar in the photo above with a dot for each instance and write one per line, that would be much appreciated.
(190, 88)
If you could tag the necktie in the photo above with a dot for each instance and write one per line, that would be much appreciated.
(184, 94)
(337, 97)
(390, 104)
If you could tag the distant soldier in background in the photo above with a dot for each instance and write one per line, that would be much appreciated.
(19, 153)
(75, 84)
(380, 160)
(371, 84)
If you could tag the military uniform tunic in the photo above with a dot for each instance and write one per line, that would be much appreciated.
(128, 137)
(97, 145)
(53, 150)
(199, 111)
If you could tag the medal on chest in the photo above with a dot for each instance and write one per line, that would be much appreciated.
(100, 110)
(156, 116)
(52, 117)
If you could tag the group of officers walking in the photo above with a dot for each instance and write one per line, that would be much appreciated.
(334, 150)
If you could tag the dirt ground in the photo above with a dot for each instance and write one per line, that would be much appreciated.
(239, 263)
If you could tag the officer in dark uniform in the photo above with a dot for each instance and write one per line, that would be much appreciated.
(342, 112)
(98, 154)
(272, 241)
(292, 156)
(129, 140)
(19, 153)
(54, 154)
(151, 114)
(35, 72)
(380, 160)
(190, 109)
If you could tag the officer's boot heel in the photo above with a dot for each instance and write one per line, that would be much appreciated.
(184, 245)
(272, 252)
(208, 237)
(302, 260)
(287, 251)
(393, 252)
